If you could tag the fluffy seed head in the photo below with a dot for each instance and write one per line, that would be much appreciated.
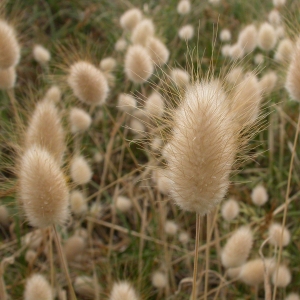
(278, 3)
(274, 17)
(98, 157)
(159, 279)
(9, 47)
(235, 76)
(225, 50)
(73, 247)
(126, 103)
(246, 100)
(37, 287)
(96, 210)
(292, 296)
(280, 32)
(123, 204)
(4, 216)
(42, 188)
(283, 277)
(156, 144)
(123, 291)
(154, 105)
(46, 116)
(268, 82)
(225, 35)
(137, 127)
(88, 83)
(266, 37)
(80, 120)
(259, 195)
(171, 228)
(184, 237)
(284, 51)
(204, 141)
(230, 210)
(80, 170)
(248, 38)
(131, 18)
(53, 94)
(161, 177)
(108, 64)
(184, 7)
(85, 287)
(236, 52)
(237, 248)
(142, 32)
(158, 51)
(120, 45)
(78, 203)
(138, 64)
(252, 272)
(7, 78)
(186, 32)
(180, 77)
(33, 239)
(293, 75)
(233, 272)
(279, 235)
(30, 256)
(41, 54)
(259, 59)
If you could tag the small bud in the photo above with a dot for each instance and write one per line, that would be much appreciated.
(237, 248)
(80, 171)
(88, 83)
(159, 280)
(259, 59)
(142, 32)
(259, 195)
(171, 228)
(78, 203)
(108, 64)
(180, 77)
(184, 7)
(230, 209)
(268, 82)
(7, 78)
(123, 291)
(284, 52)
(123, 204)
(131, 18)
(120, 45)
(85, 287)
(73, 247)
(37, 287)
(186, 32)
(158, 51)
(184, 237)
(80, 120)
(248, 38)
(126, 103)
(252, 272)
(53, 94)
(267, 37)
(41, 54)
(225, 35)
(282, 277)
(138, 64)
(279, 235)
(154, 105)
